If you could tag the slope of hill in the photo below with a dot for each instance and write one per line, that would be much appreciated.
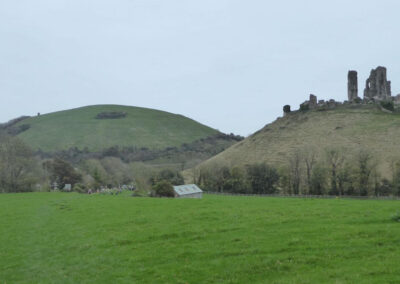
(139, 127)
(346, 128)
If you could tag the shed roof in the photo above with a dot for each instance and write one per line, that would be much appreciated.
(187, 189)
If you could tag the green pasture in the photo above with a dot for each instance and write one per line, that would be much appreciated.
(142, 127)
(73, 238)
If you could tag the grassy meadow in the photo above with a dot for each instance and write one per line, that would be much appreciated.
(73, 238)
(142, 127)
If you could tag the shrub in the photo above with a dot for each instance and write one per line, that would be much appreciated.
(163, 189)
(286, 108)
(12, 122)
(319, 180)
(389, 105)
(62, 172)
(173, 177)
(80, 188)
(15, 130)
(384, 188)
(235, 181)
(262, 178)
(111, 115)
(304, 107)
(18, 168)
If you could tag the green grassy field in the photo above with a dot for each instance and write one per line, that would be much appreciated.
(72, 238)
(142, 127)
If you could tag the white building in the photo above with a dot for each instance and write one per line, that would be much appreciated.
(67, 187)
(188, 191)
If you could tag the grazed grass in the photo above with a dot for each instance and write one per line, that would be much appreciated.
(72, 238)
(141, 127)
(345, 128)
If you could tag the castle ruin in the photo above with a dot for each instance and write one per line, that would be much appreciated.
(352, 86)
(377, 87)
(377, 90)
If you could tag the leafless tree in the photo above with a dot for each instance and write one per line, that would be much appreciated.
(366, 166)
(335, 160)
(295, 171)
(310, 159)
(17, 165)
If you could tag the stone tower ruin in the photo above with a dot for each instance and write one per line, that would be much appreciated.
(377, 86)
(352, 86)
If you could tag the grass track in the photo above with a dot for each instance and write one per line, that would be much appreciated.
(72, 238)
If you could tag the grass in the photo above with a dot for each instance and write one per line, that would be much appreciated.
(347, 129)
(72, 238)
(141, 127)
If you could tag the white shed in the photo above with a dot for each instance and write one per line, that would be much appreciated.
(188, 191)
(67, 187)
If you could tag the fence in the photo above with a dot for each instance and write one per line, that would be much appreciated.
(306, 196)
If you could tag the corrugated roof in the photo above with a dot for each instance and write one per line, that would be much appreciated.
(187, 189)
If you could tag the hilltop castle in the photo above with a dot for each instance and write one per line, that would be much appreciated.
(377, 89)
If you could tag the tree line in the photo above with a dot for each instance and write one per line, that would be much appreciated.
(199, 150)
(22, 171)
(335, 172)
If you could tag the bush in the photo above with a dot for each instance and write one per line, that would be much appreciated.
(62, 172)
(163, 189)
(384, 188)
(389, 105)
(13, 122)
(318, 180)
(235, 181)
(256, 178)
(111, 115)
(286, 108)
(80, 188)
(173, 177)
(18, 168)
(262, 178)
(15, 130)
(304, 107)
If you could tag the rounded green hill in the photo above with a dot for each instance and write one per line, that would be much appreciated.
(95, 128)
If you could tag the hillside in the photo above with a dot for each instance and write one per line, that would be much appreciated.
(346, 128)
(139, 127)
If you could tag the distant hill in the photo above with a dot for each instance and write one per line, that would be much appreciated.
(102, 126)
(347, 128)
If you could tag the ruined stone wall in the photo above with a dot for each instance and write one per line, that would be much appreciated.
(377, 86)
(377, 89)
(313, 101)
(352, 86)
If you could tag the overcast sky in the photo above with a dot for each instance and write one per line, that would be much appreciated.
(229, 64)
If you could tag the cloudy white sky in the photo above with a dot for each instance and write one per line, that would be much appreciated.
(229, 64)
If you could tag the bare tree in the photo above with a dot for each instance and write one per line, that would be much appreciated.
(17, 165)
(295, 172)
(335, 159)
(310, 159)
(395, 167)
(365, 168)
